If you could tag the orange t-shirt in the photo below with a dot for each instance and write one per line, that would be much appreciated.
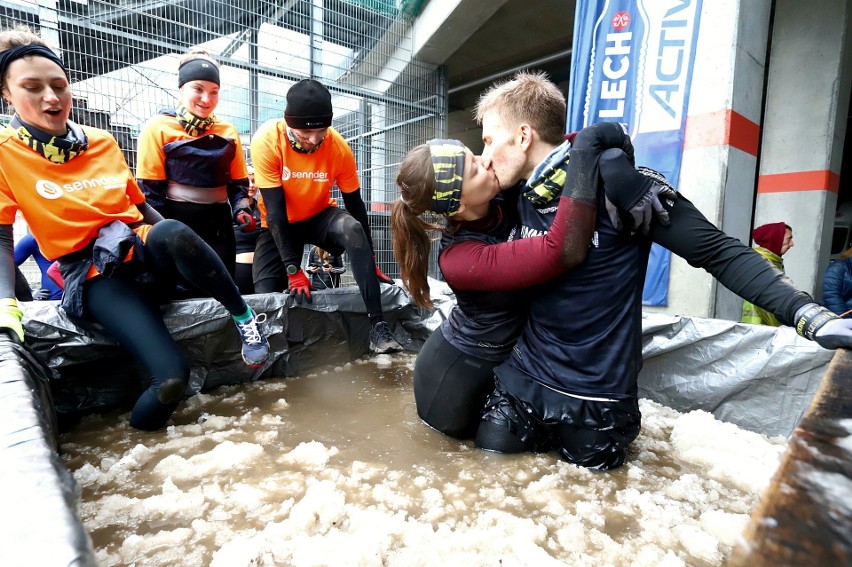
(163, 129)
(66, 204)
(306, 179)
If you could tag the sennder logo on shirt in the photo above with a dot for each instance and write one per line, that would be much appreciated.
(320, 176)
(51, 190)
(48, 189)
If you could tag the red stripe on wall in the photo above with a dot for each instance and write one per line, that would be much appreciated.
(721, 128)
(743, 134)
(819, 180)
(381, 207)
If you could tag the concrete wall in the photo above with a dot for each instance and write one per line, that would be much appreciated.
(771, 157)
(807, 104)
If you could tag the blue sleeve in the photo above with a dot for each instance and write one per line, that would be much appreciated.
(25, 248)
(832, 287)
(154, 191)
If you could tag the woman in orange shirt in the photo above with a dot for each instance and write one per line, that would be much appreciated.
(84, 208)
(191, 165)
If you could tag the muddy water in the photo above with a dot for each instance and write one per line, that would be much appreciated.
(335, 468)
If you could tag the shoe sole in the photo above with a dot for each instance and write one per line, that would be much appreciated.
(254, 364)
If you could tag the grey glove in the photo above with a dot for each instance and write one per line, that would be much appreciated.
(651, 205)
(643, 212)
(41, 294)
(815, 322)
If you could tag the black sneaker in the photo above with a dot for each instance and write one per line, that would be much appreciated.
(381, 339)
(255, 348)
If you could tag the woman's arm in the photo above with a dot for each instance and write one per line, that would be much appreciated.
(530, 261)
(10, 313)
(472, 265)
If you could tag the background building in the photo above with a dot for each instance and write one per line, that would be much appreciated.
(766, 126)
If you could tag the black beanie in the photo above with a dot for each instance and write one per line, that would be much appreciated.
(308, 106)
(198, 69)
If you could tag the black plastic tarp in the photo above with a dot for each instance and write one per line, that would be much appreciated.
(97, 375)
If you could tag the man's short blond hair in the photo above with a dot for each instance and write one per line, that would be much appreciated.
(528, 97)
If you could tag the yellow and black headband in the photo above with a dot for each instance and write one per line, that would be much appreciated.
(448, 162)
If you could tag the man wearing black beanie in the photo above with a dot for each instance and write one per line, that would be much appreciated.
(297, 160)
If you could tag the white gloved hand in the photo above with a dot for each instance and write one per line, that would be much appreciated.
(815, 322)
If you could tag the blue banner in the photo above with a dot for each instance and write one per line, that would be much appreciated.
(632, 63)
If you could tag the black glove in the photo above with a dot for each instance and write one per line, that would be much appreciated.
(603, 136)
(815, 322)
(634, 196)
(649, 205)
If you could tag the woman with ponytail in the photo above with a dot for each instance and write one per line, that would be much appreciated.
(488, 273)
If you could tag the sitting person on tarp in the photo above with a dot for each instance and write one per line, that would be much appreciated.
(325, 268)
(84, 207)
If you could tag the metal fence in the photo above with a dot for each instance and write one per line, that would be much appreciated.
(123, 58)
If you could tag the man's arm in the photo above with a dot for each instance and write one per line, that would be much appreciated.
(356, 207)
(279, 225)
(737, 266)
(692, 237)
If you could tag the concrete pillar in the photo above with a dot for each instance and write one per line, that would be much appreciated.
(719, 164)
(807, 104)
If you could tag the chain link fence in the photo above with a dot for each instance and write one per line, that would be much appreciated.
(123, 59)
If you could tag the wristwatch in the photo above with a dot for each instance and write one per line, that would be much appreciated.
(292, 269)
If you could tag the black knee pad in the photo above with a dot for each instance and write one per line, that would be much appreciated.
(171, 390)
(498, 437)
(590, 448)
(506, 427)
(351, 231)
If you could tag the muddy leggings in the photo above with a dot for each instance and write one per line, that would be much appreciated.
(133, 318)
(331, 229)
(450, 387)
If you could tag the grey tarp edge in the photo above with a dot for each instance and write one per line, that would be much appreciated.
(757, 377)
(37, 493)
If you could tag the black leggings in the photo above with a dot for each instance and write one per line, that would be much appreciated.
(450, 387)
(331, 229)
(133, 318)
(589, 433)
(213, 223)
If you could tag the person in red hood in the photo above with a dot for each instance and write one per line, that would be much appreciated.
(773, 240)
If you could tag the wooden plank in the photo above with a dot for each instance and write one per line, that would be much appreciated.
(805, 515)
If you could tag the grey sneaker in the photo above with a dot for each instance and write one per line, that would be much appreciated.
(381, 339)
(255, 348)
